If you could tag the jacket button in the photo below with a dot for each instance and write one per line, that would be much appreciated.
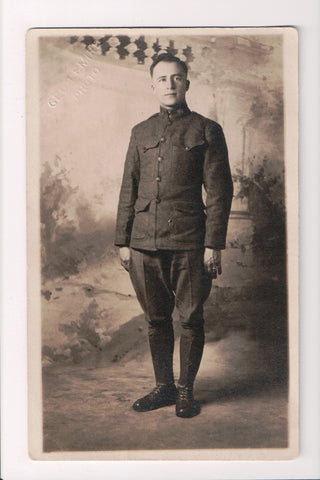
(158, 179)
(162, 139)
(158, 200)
(159, 159)
(187, 148)
(169, 221)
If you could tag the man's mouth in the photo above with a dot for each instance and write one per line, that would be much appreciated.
(170, 94)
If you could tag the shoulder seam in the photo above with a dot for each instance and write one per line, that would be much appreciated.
(146, 120)
(205, 120)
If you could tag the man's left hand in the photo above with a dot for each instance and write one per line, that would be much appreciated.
(212, 262)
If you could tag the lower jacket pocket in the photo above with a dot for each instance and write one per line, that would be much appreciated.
(141, 218)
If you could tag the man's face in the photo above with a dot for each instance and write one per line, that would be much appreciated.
(169, 83)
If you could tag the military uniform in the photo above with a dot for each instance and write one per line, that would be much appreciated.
(162, 217)
(169, 158)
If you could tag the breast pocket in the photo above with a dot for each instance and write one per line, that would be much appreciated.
(141, 218)
(148, 154)
(187, 161)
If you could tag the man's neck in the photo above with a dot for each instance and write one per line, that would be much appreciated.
(176, 112)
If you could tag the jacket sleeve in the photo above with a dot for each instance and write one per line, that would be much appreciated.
(218, 185)
(128, 195)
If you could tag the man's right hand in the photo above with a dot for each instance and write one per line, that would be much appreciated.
(124, 253)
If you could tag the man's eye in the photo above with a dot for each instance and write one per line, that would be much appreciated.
(178, 78)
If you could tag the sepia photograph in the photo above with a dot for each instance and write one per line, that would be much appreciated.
(162, 218)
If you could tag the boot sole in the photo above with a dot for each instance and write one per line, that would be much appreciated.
(189, 413)
(136, 408)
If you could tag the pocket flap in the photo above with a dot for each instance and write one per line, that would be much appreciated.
(193, 139)
(142, 204)
(152, 143)
(193, 143)
(190, 141)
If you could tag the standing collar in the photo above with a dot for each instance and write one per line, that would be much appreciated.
(179, 111)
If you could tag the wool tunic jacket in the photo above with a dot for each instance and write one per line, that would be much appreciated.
(170, 157)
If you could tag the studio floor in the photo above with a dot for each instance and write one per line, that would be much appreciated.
(242, 387)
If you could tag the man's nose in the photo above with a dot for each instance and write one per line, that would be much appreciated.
(171, 83)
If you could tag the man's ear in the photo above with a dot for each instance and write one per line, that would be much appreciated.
(187, 85)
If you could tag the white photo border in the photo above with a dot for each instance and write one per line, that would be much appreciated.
(17, 18)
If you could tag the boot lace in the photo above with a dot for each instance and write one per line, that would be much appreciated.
(185, 394)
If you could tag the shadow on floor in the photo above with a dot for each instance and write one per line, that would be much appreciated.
(207, 393)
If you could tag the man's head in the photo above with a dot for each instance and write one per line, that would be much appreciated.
(169, 80)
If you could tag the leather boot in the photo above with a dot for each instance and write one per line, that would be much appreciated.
(160, 396)
(191, 349)
(186, 405)
(161, 341)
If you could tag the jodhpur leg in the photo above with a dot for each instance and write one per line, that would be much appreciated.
(192, 288)
(150, 276)
(161, 341)
(191, 349)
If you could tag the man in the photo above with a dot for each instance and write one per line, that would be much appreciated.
(171, 248)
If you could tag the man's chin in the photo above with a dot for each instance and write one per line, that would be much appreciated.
(170, 104)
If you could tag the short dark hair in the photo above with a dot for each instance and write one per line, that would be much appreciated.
(168, 57)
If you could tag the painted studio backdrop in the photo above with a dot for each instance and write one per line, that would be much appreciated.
(93, 90)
